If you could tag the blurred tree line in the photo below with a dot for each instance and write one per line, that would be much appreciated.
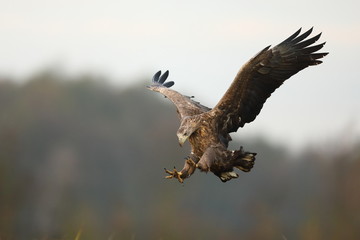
(78, 154)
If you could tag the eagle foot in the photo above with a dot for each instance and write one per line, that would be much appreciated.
(187, 171)
(244, 160)
(174, 174)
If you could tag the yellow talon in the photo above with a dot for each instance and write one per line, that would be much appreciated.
(174, 174)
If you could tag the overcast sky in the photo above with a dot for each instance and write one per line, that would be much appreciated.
(203, 44)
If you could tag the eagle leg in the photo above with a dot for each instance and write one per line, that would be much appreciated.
(244, 160)
(187, 171)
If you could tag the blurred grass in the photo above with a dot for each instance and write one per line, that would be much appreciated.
(78, 235)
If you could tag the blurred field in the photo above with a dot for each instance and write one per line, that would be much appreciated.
(82, 159)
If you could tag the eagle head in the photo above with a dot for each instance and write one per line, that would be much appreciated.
(188, 125)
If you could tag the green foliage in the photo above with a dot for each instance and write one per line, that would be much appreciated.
(82, 159)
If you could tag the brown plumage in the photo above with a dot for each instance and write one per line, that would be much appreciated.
(208, 129)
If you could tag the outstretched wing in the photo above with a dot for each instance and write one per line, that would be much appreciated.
(261, 75)
(184, 104)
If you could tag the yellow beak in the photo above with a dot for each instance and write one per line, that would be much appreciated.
(182, 139)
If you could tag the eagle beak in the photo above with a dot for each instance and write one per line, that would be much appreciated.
(182, 139)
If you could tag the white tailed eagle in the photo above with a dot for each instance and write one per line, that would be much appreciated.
(208, 129)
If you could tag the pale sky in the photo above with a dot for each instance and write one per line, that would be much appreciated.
(203, 44)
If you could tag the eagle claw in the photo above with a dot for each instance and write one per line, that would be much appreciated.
(174, 174)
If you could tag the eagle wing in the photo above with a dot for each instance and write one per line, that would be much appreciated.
(261, 75)
(185, 105)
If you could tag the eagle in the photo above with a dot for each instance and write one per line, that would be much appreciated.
(208, 129)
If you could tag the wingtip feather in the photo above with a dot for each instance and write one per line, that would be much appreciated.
(168, 84)
(164, 77)
(156, 76)
(294, 35)
(302, 36)
(159, 80)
